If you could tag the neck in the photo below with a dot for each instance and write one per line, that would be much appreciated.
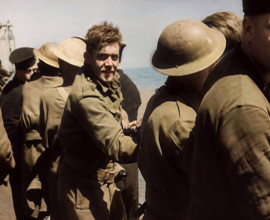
(186, 91)
(192, 99)
(68, 78)
(262, 72)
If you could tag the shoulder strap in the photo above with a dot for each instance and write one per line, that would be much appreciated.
(63, 93)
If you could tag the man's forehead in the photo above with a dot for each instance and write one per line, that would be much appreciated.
(110, 49)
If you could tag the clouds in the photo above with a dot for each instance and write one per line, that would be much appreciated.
(140, 21)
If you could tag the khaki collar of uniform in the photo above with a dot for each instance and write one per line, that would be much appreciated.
(110, 88)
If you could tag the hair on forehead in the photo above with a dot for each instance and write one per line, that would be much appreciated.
(101, 35)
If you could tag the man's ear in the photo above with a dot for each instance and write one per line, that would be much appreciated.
(247, 28)
(87, 56)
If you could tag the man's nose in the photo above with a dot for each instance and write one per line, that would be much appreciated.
(108, 61)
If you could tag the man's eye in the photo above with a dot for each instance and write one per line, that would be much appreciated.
(114, 57)
(103, 56)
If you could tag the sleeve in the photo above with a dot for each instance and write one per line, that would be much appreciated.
(6, 156)
(99, 123)
(244, 134)
(178, 136)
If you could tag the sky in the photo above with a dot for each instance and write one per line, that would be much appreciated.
(36, 22)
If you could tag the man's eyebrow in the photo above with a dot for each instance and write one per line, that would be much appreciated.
(108, 53)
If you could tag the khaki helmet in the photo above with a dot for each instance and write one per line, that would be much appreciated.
(186, 47)
(46, 54)
(71, 51)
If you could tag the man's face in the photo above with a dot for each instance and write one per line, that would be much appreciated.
(104, 62)
(260, 40)
(25, 75)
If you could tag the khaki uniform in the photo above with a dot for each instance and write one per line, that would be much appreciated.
(92, 138)
(6, 164)
(52, 103)
(30, 115)
(51, 110)
(227, 158)
(165, 128)
(33, 147)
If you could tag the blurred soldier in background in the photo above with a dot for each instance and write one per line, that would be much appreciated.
(131, 103)
(11, 104)
(48, 76)
(131, 94)
(7, 164)
(52, 102)
(229, 24)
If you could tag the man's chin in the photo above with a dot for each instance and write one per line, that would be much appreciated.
(107, 80)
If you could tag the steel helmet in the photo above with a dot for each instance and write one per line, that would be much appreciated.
(46, 54)
(186, 47)
(71, 51)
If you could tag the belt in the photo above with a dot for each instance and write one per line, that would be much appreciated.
(106, 176)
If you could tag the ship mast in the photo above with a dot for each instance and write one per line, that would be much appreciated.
(9, 35)
(7, 44)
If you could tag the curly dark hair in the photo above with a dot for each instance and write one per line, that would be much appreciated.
(101, 35)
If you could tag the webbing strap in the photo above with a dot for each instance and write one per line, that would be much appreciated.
(63, 93)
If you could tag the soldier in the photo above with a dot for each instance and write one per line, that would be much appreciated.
(49, 76)
(131, 94)
(11, 104)
(227, 158)
(91, 133)
(170, 113)
(7, 164)
(52, 102)
(131, 103)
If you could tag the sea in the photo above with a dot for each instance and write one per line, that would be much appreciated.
(146, 78)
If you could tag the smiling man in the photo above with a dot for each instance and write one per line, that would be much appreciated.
(91, 133)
